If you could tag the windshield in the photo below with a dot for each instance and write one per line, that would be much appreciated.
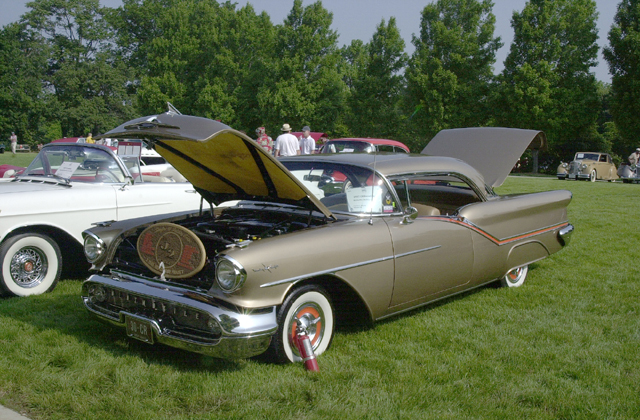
(345, 188)
(76, 163)
(586, 156)
(337, 146)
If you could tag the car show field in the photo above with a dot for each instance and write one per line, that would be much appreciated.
(565, 345)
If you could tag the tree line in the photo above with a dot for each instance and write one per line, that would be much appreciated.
(69, 67)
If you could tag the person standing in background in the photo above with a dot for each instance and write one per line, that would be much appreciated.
(634, 158)
(286, 143)
(14, 143)
(264, 140)
(307, 143)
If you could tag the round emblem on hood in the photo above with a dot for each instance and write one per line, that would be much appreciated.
(171, 250)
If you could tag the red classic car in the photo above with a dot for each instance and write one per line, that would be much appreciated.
(366, 145)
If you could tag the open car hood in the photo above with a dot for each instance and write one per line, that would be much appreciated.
(222, 164)
(492, 151)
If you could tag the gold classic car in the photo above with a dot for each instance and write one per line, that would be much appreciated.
(312, 240)
(589, 165)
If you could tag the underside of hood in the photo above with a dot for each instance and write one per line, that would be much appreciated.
(492, 151)
(222, 163)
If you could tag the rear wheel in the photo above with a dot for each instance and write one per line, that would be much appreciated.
(31, 265)
(312, 305)
(515, 277)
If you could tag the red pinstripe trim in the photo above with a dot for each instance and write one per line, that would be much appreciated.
(491, 238)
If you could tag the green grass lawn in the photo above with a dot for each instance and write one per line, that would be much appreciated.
(20, 159)
(563, 346)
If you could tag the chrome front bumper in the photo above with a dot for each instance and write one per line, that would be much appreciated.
(181, 318)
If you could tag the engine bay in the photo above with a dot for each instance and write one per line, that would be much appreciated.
(236, 226)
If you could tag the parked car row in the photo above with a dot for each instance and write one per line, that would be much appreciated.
(250, 250)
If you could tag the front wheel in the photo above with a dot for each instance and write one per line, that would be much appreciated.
(593, 175)
(312, 305)
(31, 265)
(515, 277)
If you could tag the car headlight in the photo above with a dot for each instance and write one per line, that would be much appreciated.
(565, 164)
(94, 247)
(583, 166)
(230, 275)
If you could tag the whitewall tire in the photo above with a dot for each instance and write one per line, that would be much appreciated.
(515, 277)
(313, 304)
(31, 265)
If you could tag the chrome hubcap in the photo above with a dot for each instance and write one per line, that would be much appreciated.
(28, 267)
(312, 317)
(514, 275)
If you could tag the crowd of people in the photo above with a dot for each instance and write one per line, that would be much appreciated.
(286, 144)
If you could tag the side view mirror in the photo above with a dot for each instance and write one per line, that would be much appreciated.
(410, 214)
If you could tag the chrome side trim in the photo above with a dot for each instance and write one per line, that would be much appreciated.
(329, 271)
(418, 251)
(345, 267)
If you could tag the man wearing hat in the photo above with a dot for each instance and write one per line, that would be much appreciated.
(286, 143)
(307, 143)
(634, 157)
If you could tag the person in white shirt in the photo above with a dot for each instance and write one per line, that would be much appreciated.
(286, 143)
(307, 143)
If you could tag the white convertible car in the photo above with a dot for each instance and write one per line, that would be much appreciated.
(62, 192)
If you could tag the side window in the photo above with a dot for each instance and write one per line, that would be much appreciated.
(434, 195)
(385, 148)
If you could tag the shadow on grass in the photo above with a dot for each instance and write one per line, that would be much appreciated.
(63, 311)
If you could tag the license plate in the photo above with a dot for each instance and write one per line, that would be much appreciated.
(573, 176)
(139, 329)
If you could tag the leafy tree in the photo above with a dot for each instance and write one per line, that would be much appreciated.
(450, 72)
(623, 56)
(24, 104)
(206, 58)
(546, 83)
(89, 86)
(303, 85)
(376, 83)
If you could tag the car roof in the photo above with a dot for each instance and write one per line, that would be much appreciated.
(374, 141)
(392, 164)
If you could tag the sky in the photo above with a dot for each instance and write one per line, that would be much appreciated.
(357, 19)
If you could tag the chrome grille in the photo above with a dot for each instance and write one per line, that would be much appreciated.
(574, 167)
(174, 320)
